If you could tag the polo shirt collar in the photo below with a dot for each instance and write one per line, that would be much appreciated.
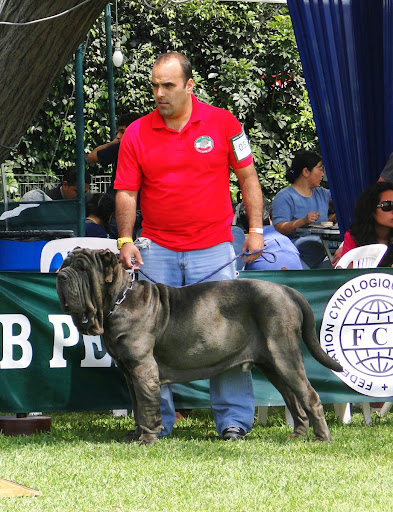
(158, 121)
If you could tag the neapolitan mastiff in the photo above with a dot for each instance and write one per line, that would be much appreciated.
(160, 334)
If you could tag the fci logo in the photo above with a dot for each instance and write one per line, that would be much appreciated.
(357, 331)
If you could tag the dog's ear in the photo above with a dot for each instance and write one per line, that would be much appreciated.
(109, 263)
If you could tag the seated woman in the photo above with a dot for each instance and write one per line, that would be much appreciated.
(301, 204)
(373, 221)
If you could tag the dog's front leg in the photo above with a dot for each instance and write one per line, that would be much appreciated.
(147, 388)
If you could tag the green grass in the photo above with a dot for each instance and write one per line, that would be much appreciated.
(81, 466)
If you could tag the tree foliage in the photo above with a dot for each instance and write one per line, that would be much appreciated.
(244, 57)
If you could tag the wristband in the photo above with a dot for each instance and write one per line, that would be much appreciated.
(256, 230)
(122, 241)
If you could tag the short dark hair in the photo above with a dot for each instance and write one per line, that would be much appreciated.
(182, 59)
(301, 160)
(127, 118)
(70, 176)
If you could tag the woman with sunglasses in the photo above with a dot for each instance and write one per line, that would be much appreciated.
(373, 221)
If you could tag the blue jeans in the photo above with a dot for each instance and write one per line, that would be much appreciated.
(231, 393)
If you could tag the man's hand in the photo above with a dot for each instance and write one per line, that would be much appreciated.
(253, 242)
(127, 252)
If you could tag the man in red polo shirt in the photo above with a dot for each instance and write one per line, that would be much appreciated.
(180, 156)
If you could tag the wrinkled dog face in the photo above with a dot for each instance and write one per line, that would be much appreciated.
(80, 287)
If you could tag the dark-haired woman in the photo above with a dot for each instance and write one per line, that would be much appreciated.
(373, 221)
(301, 204)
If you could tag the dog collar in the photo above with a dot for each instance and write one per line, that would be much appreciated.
(122, 295)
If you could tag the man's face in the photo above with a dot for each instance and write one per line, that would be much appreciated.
(171, 94)
(120, 132)
(70, 191)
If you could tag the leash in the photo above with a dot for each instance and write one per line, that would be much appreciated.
(241, 255)
(131, 273)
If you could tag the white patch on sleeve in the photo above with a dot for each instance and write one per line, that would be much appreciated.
(241, 146)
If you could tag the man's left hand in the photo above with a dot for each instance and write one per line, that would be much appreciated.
(253, 242)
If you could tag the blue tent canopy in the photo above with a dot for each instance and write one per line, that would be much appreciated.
(346, 49)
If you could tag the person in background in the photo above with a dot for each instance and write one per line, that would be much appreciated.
(99, 214)
(373, 221)
(387, 172)
(279, 252)
(68, 187)
(301, 204)
(107, 154)
(180, 156)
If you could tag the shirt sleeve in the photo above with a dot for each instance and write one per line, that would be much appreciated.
(108, 155)
(283, 208)
(387, 173)
(240, 154)
(349, 243)
(128, 171)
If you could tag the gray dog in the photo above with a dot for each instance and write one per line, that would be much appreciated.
(159, 334)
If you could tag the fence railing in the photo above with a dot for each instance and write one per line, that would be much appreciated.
(26, 182)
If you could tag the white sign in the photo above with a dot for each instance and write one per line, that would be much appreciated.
(357, 331)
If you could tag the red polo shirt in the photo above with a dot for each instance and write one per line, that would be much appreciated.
(184, 176)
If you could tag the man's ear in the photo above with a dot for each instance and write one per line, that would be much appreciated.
(190, 85)
(109, 263)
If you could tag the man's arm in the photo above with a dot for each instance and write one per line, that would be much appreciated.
(92, 158)
(126, 201)
(252, 199)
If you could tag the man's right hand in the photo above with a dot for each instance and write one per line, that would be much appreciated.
(127, 252)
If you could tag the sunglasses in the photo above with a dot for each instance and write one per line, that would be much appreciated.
(386, 206)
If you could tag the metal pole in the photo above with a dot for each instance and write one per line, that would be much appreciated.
(5, 193)
(80, 142)
(109, 67)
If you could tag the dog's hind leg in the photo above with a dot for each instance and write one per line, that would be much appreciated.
(300, 419)
(291, 371)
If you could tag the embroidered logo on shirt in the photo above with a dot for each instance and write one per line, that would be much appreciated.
(204, 144)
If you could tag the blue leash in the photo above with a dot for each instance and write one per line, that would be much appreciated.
(245, 253)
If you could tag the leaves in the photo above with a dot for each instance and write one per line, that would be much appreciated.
(245, 59)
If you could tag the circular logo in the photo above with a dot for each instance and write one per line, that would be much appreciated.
(357, 331)
(204, 144)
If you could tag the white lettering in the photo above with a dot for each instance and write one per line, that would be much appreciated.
(61, 340)
(11, 341)
(90, 360)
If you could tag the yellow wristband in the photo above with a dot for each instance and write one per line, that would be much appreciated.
(122, 241)
(256, 230)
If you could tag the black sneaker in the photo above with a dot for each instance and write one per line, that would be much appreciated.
(233, 433)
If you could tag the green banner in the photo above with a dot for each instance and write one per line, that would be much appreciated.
(46, 365)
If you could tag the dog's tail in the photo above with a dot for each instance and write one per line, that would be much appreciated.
(309, 334)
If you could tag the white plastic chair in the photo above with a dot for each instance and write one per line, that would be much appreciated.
(367, 256)
(65, 245)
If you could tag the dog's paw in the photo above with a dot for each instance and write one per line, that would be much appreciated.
(148, 439)
(133, 435)
(322, 439)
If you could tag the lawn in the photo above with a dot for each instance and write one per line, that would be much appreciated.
(81, 466)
